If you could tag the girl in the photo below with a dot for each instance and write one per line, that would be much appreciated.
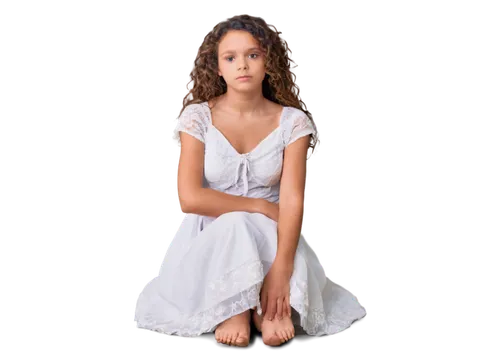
(239, 255)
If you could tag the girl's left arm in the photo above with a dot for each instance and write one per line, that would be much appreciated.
(291, 203)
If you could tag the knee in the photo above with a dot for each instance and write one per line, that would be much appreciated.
(233, 216)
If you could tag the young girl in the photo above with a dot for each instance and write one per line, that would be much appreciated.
(239, 256)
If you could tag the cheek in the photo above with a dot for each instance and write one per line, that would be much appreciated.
(263, 69)
(223, 66)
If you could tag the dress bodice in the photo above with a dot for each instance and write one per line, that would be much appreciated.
(255, 174)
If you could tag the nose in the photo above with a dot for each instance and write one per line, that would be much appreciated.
(242, 65)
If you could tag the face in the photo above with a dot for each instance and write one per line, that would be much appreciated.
(239, 54)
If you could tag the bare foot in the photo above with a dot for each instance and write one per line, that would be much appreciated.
(235, 331)
(274, 332)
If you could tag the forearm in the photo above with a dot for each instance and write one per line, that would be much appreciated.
(289, 228)
(210, 202)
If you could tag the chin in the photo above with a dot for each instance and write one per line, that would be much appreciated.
(246, 89)
(244, 84)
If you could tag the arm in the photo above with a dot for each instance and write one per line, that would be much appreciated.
(291, 205)
(275, 292)
(193, 197)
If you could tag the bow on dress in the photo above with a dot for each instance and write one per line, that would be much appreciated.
(245, 163)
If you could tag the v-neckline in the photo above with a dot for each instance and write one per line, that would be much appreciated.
(258, 145)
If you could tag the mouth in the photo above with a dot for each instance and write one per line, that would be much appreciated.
(243, 77)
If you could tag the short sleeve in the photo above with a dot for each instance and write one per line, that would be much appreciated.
(193, 122)
(300, 125)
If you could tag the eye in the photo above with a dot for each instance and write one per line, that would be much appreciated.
(256, 55)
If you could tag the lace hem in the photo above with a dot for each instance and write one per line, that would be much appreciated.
(247, 281)
(207, 320)
(314, 320)
(235, 281)
(244, 282)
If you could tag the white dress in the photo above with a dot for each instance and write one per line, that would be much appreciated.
(214, 267)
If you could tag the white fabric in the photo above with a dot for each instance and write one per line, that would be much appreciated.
(214, 267)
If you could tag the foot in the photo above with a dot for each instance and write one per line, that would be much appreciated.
(274, 332)
(235, 331)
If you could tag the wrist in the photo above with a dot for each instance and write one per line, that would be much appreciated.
(283, 263)
(260, 206)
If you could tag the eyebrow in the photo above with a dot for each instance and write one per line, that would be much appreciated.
(250, 49)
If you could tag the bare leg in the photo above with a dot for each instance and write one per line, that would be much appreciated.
(235, 331)
(274, 332)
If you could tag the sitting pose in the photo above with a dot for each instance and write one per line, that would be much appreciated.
(238, 256)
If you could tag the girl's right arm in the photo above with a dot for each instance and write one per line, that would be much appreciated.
(195, 199)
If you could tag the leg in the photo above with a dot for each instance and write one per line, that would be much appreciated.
(274, 332)
(235, 330)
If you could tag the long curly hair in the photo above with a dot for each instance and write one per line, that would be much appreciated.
(278, 85)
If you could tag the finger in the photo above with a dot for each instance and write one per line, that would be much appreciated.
(279, 303)
(289, 308)
(271, 309)
(265, 310)
(264, 305)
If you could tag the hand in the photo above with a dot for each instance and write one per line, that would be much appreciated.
(269, 209)
(275, 292)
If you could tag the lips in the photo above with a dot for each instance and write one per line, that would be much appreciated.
(243, 77)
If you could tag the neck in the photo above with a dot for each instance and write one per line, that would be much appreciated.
(244, 104)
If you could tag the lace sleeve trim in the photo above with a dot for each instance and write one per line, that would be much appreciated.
(191, 121)
(301, 126)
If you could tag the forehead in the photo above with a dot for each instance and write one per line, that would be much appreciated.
(238, 41)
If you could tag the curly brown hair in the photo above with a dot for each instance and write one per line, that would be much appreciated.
(278, 85)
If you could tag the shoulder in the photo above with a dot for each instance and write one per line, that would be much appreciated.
(193, 120)
(298, 111)
(194, 108)
(294, 116)
(297, 124)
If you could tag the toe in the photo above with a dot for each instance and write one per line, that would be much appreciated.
(272, 340)
(277, 340)
(286, 334)
(281, 335)
(242, 340)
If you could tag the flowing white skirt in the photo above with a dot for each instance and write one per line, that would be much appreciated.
(214, 269)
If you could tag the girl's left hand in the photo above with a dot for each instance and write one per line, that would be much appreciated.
(275, 292)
